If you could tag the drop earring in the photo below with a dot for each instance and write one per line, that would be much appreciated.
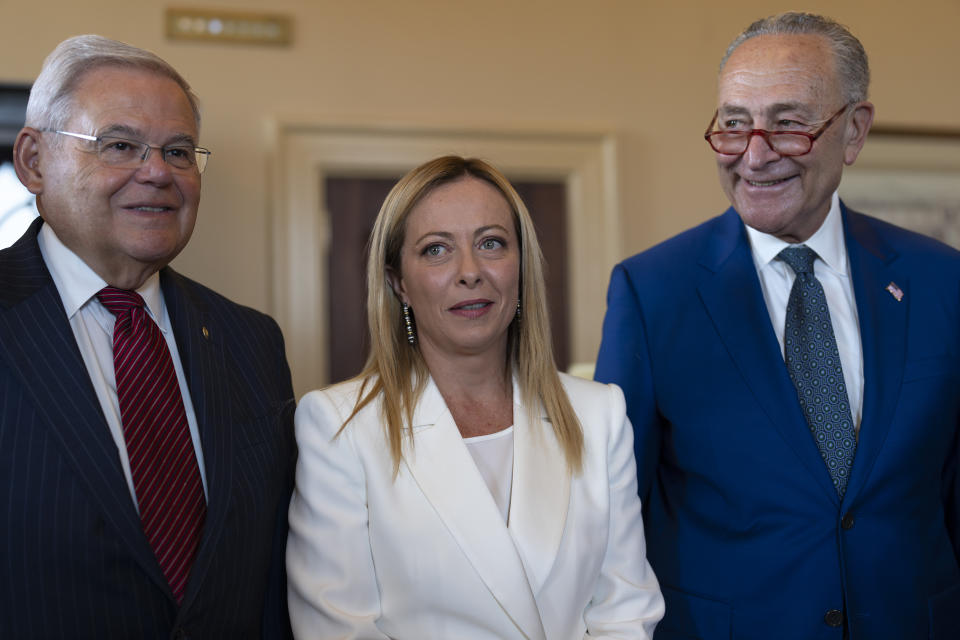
(408, 323)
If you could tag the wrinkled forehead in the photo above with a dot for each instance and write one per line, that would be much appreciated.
(790, 68)
(130, 101)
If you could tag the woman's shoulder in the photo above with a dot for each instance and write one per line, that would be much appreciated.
(581, 390)
(335, 395)
(333, 404)
(600, 408)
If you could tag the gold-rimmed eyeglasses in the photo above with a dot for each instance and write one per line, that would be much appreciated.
(124, 153)
(733, 142)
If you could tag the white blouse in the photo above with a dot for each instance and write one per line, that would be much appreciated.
(493, 455)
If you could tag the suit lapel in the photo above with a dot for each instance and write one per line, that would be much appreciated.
(883, 329)
(39, 346)
(199, 341)
(541, 491)
(734, 300)
(444, 470)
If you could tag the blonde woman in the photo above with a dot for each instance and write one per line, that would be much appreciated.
(460, 487)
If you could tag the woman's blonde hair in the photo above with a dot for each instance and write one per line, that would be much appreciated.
(395, 369)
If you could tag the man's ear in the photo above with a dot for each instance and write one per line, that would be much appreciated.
(857, 129)
(26, 159)
(396, 283)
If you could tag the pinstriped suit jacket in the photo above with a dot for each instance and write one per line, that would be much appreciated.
(74, 562)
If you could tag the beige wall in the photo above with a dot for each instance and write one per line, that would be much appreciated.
(642, 70)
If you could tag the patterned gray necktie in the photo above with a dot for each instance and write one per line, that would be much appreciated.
(810, 351)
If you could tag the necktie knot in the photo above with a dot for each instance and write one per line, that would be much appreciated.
(119, 301)
(799, 258)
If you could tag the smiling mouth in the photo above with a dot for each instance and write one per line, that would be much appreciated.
(766, 183)
(150, 209)
(473, 306)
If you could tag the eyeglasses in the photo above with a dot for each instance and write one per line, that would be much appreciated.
(733, 142)
(124, 153)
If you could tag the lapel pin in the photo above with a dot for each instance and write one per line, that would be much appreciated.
(895, 291)
(206, 334)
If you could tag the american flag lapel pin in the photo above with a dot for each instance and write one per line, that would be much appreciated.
(895, 291)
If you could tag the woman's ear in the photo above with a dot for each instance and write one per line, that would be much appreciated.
(26, 159)
(396, 283)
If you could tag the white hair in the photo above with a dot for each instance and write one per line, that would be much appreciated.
(51, 98)
(851, 59)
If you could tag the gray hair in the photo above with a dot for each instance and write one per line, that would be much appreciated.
(51, 98)
(848, 52)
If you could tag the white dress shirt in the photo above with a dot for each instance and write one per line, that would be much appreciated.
(92, 326)
(832, 269)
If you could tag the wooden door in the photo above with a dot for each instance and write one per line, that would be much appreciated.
(353, 204)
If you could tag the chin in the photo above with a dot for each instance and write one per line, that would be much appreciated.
(763, 220)
(156, 253)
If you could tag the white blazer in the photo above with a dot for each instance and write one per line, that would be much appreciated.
(428, 555)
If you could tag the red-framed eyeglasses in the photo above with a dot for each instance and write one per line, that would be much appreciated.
(785, 143)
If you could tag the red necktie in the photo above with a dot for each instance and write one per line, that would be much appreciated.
(166, 477)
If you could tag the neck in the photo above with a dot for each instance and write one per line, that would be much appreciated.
(805, 231)
(122, 274)
(477, 390)
(469, 375)
(129, 277)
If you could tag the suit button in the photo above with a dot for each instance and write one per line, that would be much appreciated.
(847, 521)
(834, 618)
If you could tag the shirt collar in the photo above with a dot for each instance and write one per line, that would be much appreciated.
(77, 283)
(827, 241)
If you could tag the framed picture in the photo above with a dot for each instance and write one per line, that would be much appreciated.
(910, 177)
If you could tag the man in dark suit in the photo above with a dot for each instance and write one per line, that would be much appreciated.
(791, 370)
(146, 449)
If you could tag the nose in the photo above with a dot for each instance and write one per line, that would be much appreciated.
(469, 269)
(759, 152)
(153, 168)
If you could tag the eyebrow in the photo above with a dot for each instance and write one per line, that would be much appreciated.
(771, 110)
(727, 109)
(442, 234)
(446, 235)
(489, 227)
(135, 134)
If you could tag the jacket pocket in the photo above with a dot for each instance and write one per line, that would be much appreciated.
(275, 422)
(945, 614)
(690, 617)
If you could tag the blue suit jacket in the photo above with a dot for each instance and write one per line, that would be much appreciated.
(744, 528)
(74, 562)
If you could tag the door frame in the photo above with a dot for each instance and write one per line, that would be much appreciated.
(305, 153)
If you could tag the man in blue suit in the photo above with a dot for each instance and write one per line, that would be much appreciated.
(146, 446)
(791, 370)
